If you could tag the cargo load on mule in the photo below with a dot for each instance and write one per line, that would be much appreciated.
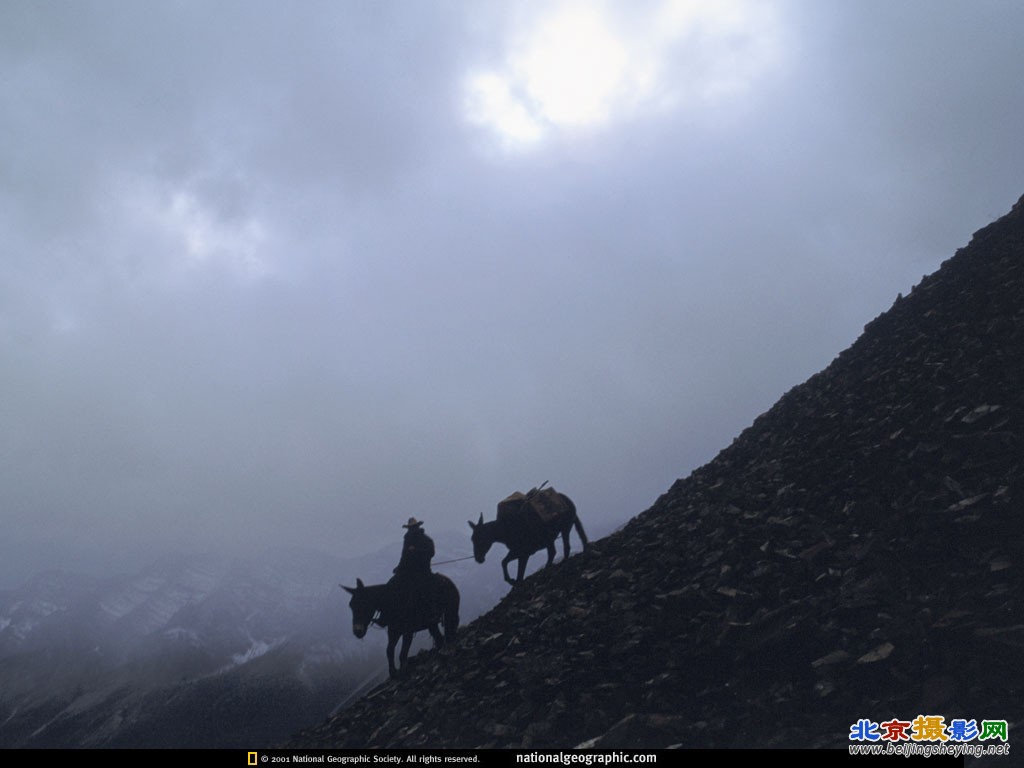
(545, 503)
(526, 523)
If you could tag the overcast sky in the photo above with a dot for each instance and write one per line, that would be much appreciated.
(288, 273)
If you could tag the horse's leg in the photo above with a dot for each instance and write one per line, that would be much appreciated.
(551, 553)
(565, 543)
(522, 568)
(435, 633)
(504, 568)
(403, 655)
(392, 642)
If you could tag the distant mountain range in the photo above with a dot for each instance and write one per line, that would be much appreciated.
(196, 651)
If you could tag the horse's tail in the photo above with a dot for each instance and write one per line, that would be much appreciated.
(576, 521)
(449, 600)
(579, 530)
(573, 517)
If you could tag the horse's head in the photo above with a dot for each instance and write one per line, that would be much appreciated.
(362, 608)
(483, 538)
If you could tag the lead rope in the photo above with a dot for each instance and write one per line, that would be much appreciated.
(456, 560)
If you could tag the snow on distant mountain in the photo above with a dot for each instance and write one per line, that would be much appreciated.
(143, 659)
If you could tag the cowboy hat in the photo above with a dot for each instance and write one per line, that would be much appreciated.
(413, 523)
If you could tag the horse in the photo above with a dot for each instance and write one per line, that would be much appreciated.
(527, 524)
(401, 612)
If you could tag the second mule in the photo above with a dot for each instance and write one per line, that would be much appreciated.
(527, 523)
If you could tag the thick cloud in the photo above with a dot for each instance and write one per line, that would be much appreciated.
(290, 273)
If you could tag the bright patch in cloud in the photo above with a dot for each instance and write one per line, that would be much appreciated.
(587, 64)
(574, 67)
(492, 102)
(208, 239)
(192, 233)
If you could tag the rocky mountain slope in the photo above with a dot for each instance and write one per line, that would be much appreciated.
(856, 553)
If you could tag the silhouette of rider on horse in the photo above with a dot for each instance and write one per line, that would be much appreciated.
(413, 580)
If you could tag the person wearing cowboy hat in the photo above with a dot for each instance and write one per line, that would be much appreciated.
(413, 580)
(417, 551)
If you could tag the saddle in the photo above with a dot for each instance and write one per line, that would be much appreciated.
(415, 596)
